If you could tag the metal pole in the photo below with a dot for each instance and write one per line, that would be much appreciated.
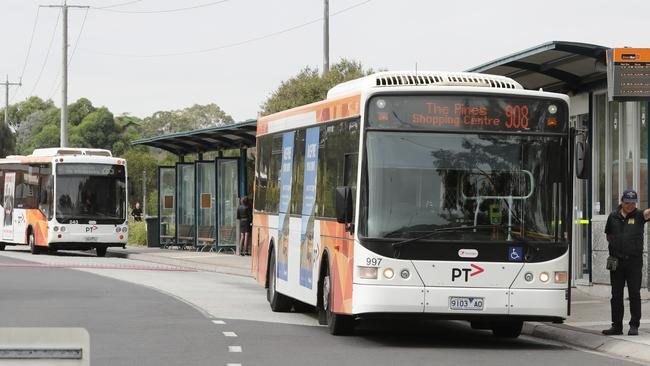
(64, 81)
(7, 101)
(326, 38)
(144, 193)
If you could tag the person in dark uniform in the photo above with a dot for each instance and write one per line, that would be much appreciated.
(624, 230)
(245, 217)
(137, 212)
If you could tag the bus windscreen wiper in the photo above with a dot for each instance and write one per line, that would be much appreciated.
(431, 233)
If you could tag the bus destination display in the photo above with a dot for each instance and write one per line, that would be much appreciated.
(91, 170)
(467, 113)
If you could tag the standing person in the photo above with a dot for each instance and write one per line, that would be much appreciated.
(624, 230)
(137, 212)
(245, 217)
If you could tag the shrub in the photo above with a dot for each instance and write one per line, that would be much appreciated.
(137, 232)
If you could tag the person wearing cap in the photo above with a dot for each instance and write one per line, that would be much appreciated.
(624, 230)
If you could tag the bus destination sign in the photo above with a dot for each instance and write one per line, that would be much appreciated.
(106, 170)
(472, 113)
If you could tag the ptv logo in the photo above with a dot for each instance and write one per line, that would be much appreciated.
(90, 229)
(459, 272)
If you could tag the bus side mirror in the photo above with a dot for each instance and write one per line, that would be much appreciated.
(583, 159)
(344, 205)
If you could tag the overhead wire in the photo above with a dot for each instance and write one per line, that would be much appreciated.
(29, 49)
(116, 5)
(47, 55)
(230, 45)
(74, 49)
(159, 11)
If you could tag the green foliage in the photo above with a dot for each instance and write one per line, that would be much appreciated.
(19, 112)
(79, 110)
(308, 86)
(138, 161)
(137, 233)
(7, 140)
(96, 130)
(194, 117)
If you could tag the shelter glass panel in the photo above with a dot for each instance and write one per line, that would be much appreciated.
(227, 190)
(185, 209)
(207, 212)
(167, 204)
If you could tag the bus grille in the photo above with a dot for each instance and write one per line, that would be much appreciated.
(445, 79)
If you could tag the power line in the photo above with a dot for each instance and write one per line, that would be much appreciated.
(159, 11)
(74, 49)
(47, 55)
(230, 45)
(29, 49)
(116, 5)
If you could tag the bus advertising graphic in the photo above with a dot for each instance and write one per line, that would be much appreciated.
(8, 205)
(285, 197)
(308, 200)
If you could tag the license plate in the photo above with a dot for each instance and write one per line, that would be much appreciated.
(91, 238)
(466, 303)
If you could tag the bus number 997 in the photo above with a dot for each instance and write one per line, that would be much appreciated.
(374, 262)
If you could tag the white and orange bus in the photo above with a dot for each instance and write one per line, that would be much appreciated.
(63, 198)
(430, 194)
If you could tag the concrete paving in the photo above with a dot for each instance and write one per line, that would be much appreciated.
(589, 315)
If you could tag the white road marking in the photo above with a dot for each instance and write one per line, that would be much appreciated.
(233, 364)
(218, 322)
(229, 334)
(234, 349)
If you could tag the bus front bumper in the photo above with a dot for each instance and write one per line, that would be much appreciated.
(528, 304)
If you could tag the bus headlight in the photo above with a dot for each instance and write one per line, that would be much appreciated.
(56, 229)
(405, 274)
(118, 229)
(63, 229)
(368, 273)
(389, 273)
(560, 277)
(529, 277)
(124, 229)
(544, 277)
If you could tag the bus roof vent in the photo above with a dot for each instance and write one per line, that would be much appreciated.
(423, 78)
(57, 151)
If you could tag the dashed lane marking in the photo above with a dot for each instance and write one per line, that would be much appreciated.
(218, 322)
(229, 334)
(234, 349)
(97, 266)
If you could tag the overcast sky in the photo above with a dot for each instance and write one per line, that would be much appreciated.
(140, 57)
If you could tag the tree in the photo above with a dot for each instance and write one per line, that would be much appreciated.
(96, 130)
(19, 112)
(308, 86)
(7, 142)
(196, 116)
(78, 110)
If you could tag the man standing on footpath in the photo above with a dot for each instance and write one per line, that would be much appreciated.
(624, 230)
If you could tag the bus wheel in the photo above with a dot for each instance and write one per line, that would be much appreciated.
(338, 324)
(507, 329)
(101, 251)
(2, 246)
(279, 302)
(32, 243)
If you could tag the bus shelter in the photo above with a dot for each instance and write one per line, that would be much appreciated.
(198, 199)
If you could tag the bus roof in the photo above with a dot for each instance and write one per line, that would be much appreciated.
(344, 100)
(46, 155)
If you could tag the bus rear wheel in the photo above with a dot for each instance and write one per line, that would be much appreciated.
(101, 251)
(33, 248)
(279, 303)
(2, 246)
(338, 324)
(507, 329)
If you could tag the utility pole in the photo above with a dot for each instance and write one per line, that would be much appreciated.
(144, 193)
(6, 84)
(326, 38)
(64, 73)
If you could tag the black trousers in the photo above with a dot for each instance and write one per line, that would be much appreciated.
(628, 271)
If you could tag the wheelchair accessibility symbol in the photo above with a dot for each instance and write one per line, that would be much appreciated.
(515, 254)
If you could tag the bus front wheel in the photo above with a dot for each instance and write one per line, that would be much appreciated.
(278, 302)
(338, 324)
(2, 246)
(101, 251)
(507, 329)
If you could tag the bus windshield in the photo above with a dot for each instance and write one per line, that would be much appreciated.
(466, 187)
(90, 192)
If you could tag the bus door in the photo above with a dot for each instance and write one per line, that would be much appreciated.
(581, 258)
(227, 203)
(8, 202)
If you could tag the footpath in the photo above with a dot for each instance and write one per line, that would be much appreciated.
(590, 309)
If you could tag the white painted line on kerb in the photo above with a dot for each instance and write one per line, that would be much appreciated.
(218, 322)
(234, 349)
(229, 334)
(233, 364)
